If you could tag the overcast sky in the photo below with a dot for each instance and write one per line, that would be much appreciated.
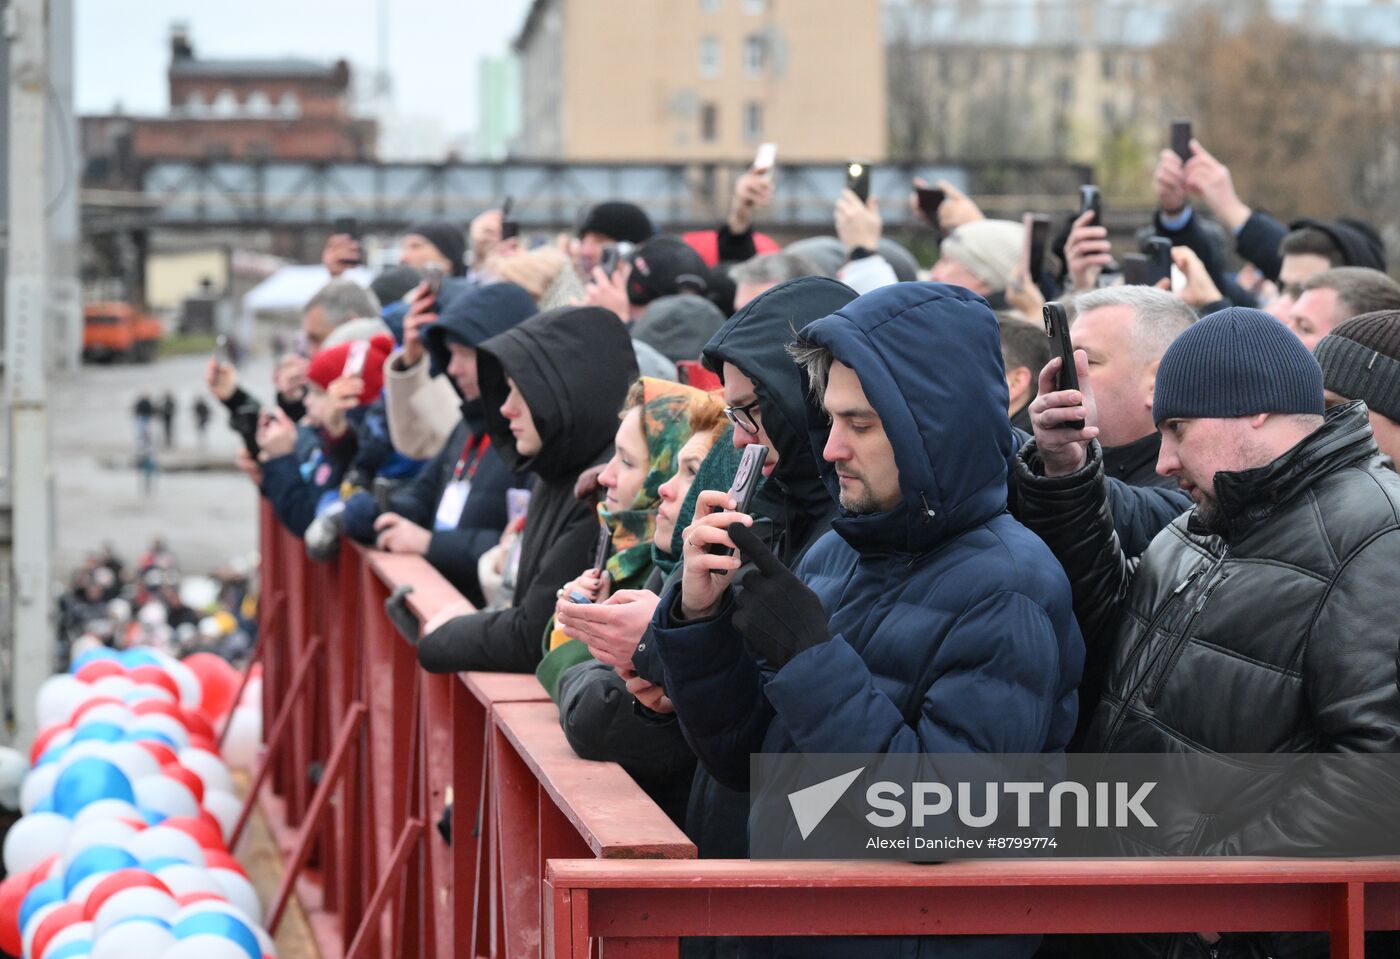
(122, 47)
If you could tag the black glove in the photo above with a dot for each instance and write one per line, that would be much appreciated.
(773, 609)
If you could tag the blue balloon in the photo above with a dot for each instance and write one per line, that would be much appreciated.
(52, 754)
(153, 866)
(152, 817)
(93, 655)
(50, 890)
(44, 805)
(151, 736)
(100, 731)
(219, 924)
(86, 781)
(74, 950)
(95, 860)
(139, 657)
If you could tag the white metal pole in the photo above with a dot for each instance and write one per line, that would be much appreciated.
(26, 295)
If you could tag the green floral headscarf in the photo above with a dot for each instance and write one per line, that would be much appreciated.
(716, 472)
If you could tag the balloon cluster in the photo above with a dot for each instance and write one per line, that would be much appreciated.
(128, 810)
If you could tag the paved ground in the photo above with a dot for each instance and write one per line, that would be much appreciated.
(207, 516)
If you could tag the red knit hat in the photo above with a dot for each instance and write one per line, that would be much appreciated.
(343, 360)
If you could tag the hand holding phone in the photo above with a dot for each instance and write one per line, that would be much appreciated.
(509, 227)
(765, 160)
(930, 198)
(747, 478)
(1091, 199)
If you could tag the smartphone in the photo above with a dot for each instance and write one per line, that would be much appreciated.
(766, 159)
(1037, 235)
(221, 352)
(433, 276)
(746, 480)
(1057, 328)
(930, 199)
(1181, 139)
(347, 225)
(858, 179)
(245, 421)
(355, 359)
(509, 228)
(1135, 269)
(609, 259)
(1158, 250)
(576, 597)
(1091, 199)
(603, 548)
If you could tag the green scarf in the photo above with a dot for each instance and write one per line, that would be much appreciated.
(716, 472)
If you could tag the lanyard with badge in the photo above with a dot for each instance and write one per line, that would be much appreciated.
(454, 495)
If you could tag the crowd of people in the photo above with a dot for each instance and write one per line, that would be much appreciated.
(1191, 551)
(112, 603)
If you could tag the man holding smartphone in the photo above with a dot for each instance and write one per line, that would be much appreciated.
(925, 595)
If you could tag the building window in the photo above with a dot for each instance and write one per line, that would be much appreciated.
(195, 105)
(753, 122)
(288, 105)
(710, 6)
(709, 123)
(258, 105)
(755, 6)
(225, 104)
(709, 56)
(755, 55)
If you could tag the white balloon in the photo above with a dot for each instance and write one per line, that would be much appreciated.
(114, 713)
(238, 891)
(265, 942)
(82, 750)
(37, 785)
(252, 693)
(209, 768)
(149, 691)
(78, 932)
(135, 901)
(37, 920)
(167, 725)
(132, 939)
(114, 686)
(84, 888)
(191, 692)
(58, 696)
(203, 946)
(132, 760)
(160, 842)
(59, 741)
(164, 795)
(33, 839)
(56, 870)
(226, 808)
(245, 733)
(104, 809)
(102, 832)
(183, 880)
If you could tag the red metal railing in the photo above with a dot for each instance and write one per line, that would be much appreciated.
(365, 752)
(544, 850)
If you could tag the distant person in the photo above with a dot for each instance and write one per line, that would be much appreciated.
(202, 415)
(167, 418)
(146, 454)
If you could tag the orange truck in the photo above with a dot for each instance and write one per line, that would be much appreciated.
(119, 331)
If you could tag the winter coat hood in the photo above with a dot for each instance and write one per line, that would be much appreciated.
(573, 367)
(928, 356)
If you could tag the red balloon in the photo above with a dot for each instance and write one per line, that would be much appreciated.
(198, 725)
(182, 775)
(218, 859)
(146, 707)
(205, 743)
(193, 897)
(163, 753)
(54, 923)
(97, 669)
(206, 817)
(209, 837)
(12, 893)
(155, 676)
(41, 741)
(92, 704)
(219, 682)
(116, 882)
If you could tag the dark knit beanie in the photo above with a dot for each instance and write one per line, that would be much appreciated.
(450, 240)
(1361, 361)
(620, 221)
(1237, 362)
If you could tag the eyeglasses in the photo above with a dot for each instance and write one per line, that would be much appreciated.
(744, 417)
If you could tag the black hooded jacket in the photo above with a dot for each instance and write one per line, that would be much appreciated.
(470, 319)
(573, 367)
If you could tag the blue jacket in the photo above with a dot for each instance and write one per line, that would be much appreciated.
(298, 484)
(952, 628)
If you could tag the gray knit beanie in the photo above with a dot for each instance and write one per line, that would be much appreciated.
(1361, 360)
(988, 249)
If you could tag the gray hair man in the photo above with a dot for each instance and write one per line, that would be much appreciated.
(1335, 296)
(759, 274)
